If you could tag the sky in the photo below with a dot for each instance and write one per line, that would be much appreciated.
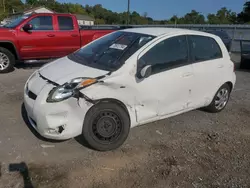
(165, 9)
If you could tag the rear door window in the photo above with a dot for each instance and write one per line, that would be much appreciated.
(203, 48)
(65, 23)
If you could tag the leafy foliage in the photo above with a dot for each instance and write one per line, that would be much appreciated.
(105, 16)
(244, 16)
(223, 16)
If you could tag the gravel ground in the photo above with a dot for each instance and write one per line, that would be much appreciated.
(195, 149)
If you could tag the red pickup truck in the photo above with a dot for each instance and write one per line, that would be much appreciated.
(43, 36)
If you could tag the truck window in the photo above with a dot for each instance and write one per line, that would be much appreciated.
(42, 23)
(65, 23)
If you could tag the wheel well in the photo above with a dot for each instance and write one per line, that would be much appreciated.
(230, 84)
(115, 101)
(9, 46)
(121, 104)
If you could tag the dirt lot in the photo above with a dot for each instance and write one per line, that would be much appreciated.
(196, 149)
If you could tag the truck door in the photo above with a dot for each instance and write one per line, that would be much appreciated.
(41, 41)
(68, 35)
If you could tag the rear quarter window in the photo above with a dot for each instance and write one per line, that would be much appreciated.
(203, 48)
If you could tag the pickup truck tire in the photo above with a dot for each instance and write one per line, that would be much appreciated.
(106, 126)
(7, 60)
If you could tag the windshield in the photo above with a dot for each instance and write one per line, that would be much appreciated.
(15, 22)
(110, 52)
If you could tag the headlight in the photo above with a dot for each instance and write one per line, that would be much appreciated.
(69, 89)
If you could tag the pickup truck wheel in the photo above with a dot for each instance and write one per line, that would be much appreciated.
(106, 126)
(7, 60)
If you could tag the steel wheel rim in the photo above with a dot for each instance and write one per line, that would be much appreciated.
(221, 99)
(4, 61)
(107, 127)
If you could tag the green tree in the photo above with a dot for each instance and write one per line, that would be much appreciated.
(223, 16)
(244, 16)
(75, 9)
(173, 20)
(233, 18)
(2, 14)
(31, 2)
(100, 21)
(13, 6)
(194, 17)
(105, 16)
(213, 19)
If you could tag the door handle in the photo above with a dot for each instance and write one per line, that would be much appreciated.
(74, 35)
(50, 35)
(220, 66)
(188, 74)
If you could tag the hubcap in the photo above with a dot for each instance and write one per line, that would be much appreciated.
(107, 126)
(4, 61)
(221, 99)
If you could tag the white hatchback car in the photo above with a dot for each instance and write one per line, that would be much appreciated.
(128, 78)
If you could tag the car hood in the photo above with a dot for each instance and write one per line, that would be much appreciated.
(63, 70)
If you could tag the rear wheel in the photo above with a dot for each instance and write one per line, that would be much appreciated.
(220, 99)
(7, 60)
(106, 126)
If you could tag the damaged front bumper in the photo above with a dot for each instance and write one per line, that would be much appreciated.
(60, 121)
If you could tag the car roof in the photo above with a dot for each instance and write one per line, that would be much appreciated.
(158, 31)
(49, 13)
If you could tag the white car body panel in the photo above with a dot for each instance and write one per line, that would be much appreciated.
(214, 73)
(159, 96)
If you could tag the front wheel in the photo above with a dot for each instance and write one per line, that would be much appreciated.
(7, 60)
(106, 126)
(220, 99)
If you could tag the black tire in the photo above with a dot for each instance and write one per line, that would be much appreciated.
(11, 58)
(106, 126)
(212, 107)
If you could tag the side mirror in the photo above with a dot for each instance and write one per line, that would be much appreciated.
(27, 27)
(146, 71)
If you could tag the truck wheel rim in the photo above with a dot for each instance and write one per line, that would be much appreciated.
(4, 61)
(221, 99)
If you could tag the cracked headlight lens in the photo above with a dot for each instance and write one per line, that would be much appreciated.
(69, 89)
